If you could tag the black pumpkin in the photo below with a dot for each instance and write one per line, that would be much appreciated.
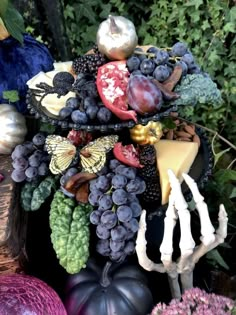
(115, 290)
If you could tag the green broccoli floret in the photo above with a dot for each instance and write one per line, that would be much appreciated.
(197, 89)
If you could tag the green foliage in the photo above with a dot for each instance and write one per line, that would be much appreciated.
(12, 20)
(12, 96)
(196, 89)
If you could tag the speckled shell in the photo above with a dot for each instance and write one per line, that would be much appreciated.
(12, 128)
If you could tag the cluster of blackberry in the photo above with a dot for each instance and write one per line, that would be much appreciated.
(149, 174)
(89, 63)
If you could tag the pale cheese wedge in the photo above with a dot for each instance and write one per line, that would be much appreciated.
(177, 156)
(63, 66)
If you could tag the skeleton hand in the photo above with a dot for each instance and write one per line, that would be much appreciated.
(178, 209)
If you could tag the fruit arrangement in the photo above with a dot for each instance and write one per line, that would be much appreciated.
(119, 132)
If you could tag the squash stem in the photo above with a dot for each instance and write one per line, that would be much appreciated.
(105, 280)
(114, 29)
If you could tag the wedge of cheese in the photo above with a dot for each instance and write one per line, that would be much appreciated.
(177, 156)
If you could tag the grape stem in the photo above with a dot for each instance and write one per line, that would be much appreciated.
(211, 131)
(105, 280)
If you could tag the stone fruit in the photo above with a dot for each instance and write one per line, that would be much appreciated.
(143, 96)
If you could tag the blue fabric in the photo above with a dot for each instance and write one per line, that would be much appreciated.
(19, 63)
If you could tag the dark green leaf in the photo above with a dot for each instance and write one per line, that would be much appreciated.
(223, 176)
(47, 128)
(12, 96)
(3, 7)
(14, 23)
(168, 123)
(219, 155)
(233, 193)
(215, 256)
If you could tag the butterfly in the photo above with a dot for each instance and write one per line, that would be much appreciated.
(93, 155)
(62, 151)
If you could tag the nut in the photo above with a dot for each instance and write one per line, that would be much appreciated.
(189, 130)
(170, 134)
(183, 134)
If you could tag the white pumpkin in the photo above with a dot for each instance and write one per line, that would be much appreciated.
(12, 128)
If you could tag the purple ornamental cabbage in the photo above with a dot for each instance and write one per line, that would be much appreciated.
(197, 302)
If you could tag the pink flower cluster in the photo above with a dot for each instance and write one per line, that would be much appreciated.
(196, 302)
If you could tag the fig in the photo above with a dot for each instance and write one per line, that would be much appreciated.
(143, 95)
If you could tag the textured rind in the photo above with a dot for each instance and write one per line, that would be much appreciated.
(70, 232)
(22, 294)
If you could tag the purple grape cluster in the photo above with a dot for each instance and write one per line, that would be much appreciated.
(86, 107)
(29, 160)
(159, 63)
(113, 194)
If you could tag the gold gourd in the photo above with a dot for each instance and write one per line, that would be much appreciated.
(12, 128)
(148, 134)
(116, 37)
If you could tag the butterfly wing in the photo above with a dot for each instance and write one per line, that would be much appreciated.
(107, 142)
(95, 161)
(62, 151)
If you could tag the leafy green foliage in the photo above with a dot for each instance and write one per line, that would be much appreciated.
(196, 89)
(12, 96)
(13, 20)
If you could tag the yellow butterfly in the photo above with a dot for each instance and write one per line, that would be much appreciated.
(62, 151)
(93, 155)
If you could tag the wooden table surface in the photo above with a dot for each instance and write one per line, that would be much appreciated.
(8, 264)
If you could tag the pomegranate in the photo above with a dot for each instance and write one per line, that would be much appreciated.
(112, 81)
(143, 95)
(127, 154)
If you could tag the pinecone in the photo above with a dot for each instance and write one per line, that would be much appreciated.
(153, 191)
(147, 155)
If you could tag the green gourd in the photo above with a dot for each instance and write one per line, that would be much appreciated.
(70, 235)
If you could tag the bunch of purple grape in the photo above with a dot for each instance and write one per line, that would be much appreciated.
(159, 63)
(116, 209)
(29, 160)
(87, 107)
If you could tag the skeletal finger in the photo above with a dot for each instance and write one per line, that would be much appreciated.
(207, 229)
(221, 232)
(193, 187)
(176, 191)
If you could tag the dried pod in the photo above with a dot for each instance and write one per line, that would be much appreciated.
(183, 134)
(189, 129)
(77, 180)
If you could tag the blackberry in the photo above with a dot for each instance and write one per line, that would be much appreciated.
(147, 155)
(88, 63)
(153, 191)
(148, 172)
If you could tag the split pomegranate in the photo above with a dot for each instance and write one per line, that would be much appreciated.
(112, 81)
(127, 154)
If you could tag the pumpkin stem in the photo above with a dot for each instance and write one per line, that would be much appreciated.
(114, 29)
(105, 280)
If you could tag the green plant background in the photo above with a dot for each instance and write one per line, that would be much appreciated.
(209, 29)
